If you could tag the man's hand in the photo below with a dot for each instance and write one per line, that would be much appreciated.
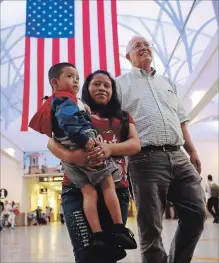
(190, 148)
(195, 161)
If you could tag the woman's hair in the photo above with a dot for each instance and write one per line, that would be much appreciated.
(112, 109)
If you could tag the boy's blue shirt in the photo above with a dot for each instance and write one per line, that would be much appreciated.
(68, 120)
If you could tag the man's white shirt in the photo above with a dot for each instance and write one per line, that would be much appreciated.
(152, 101)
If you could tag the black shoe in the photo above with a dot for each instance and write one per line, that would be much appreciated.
(124, 236)
(104, 248)
(216, 220)
(99, 241)
(118, 253)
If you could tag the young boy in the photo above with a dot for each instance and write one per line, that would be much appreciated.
(64, 115)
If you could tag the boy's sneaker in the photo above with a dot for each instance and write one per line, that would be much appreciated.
(216, 220)
(98, 241)
(123, 236)
(103, 247)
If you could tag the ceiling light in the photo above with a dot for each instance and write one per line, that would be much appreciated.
(196, 97)
(214, 124)
(10, 151)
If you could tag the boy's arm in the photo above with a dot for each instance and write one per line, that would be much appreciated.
(78, 157)
(73, 124)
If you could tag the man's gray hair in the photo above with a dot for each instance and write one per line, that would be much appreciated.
(129, 45)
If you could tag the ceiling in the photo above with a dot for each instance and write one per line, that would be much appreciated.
(181, 32)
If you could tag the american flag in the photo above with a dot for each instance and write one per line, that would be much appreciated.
(82, 32)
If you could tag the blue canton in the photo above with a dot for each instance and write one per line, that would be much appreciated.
(50, 18)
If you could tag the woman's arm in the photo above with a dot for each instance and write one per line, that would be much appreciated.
(78, 157)
(64, 154)
(126, 148)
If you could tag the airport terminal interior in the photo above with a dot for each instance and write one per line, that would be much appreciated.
(185, 46)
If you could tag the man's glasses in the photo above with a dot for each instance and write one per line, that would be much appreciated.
(142, 44)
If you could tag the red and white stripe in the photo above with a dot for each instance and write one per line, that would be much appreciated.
(95, 46)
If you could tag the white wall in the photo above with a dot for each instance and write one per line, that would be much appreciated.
(11, 170)
(11, 146)
(11, 177)
(208, 153)
(26, 141)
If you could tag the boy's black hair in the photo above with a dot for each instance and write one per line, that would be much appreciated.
(56, 70)
(112, 109)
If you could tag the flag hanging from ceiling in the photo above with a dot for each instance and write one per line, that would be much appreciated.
(82, 32)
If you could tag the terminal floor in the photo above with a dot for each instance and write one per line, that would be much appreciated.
(51, 243)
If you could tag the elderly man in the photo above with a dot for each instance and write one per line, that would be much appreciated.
(161, 171)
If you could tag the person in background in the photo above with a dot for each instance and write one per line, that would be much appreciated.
(161, 171)
(212, 192)
(12, 215)
(61, 214)
(6, 208)
(170, 211)
(1, 212)
(1, 207)
(48, 213)
(59, 168)
(5, 214)
(38, 215)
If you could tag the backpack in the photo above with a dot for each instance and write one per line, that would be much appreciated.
(214, 190)
(16, 211)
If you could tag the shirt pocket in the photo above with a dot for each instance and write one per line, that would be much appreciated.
(172, 99)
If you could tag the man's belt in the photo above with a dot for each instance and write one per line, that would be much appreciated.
(164, 148)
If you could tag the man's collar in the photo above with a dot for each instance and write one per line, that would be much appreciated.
(142, 72)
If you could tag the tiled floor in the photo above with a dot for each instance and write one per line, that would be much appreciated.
(51, 244)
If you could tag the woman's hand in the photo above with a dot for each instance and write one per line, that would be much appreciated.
(100, 153)
(106, 151)
(78, 157)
